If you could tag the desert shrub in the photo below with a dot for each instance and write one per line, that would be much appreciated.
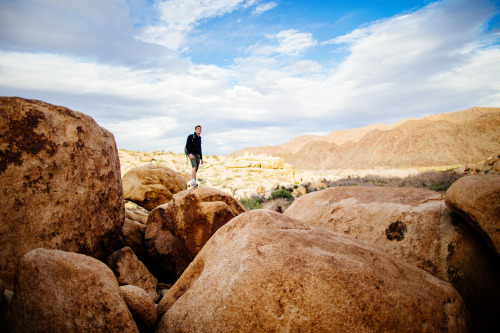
(280, 205)
(439, 186)
(282, 193)
(252, 203)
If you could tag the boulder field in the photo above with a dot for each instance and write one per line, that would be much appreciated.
(265, 272)
(73, 259)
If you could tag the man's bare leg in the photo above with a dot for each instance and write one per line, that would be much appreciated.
(193, 174)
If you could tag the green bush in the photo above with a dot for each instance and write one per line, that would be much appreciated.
(250, 204)
(282, 193)
(439, 187)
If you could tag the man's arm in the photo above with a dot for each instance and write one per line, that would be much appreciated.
(189, 147)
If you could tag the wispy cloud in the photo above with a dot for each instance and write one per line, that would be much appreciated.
(179, 17)
(265, 7)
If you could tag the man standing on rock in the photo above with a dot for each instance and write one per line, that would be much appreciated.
(193, 149)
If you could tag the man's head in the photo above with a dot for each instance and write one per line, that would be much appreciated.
(197, 129)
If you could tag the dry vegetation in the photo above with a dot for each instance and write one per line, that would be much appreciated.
(438, 181)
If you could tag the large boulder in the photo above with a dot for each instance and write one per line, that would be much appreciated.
(414, 225)
(177, 231)
(265, 272)
(60, 181)
(58, 291)
(141, 306)
(129, 270)
(477, 200)
(406, 222)
(152, 185)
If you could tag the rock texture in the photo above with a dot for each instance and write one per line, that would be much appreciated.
(60, 181)
(152, 185)
(133, 237)
(414, 225)
(266, 272)
(58, 291)
(443, 139)
(177, 231)
(406, 222)
(136, 216)
(477, 200)
(4, 305)
(131, 271)
(141, 306)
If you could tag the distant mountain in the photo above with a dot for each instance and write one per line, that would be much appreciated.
(451, 138)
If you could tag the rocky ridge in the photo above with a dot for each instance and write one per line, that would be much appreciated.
(444, 139)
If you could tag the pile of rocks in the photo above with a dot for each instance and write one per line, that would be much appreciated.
(489, 166)
(342, 259)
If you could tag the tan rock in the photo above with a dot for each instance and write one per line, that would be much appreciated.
(414, 225)
(373, 214)
(477, 200)
(301, 190)
(177, 231)
(260, 189)
(152, 185)
(266, 272)
(186, 176)
(141, 306)
(133, 237)
(496, 165)
(58, 291)
(256, 161)
(130, 270)
(60, 181)
(136, 216)
(238, 164)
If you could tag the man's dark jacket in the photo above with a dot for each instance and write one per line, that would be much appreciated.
(193, 144)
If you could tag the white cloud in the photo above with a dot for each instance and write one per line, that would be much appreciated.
(179, 17)
(288, 43)
(292, 42)
(305, 67)
(265, 7)
(145, 133)
(393, 64)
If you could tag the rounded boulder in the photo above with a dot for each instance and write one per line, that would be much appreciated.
(152, 185)
(177, 231)
(59, 291)
(60, 180)
(477, 200)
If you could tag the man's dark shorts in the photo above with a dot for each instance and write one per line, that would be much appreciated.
(195, 162)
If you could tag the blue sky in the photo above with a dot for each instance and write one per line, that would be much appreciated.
(252, 72)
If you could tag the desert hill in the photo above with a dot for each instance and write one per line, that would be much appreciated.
(443, 139)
